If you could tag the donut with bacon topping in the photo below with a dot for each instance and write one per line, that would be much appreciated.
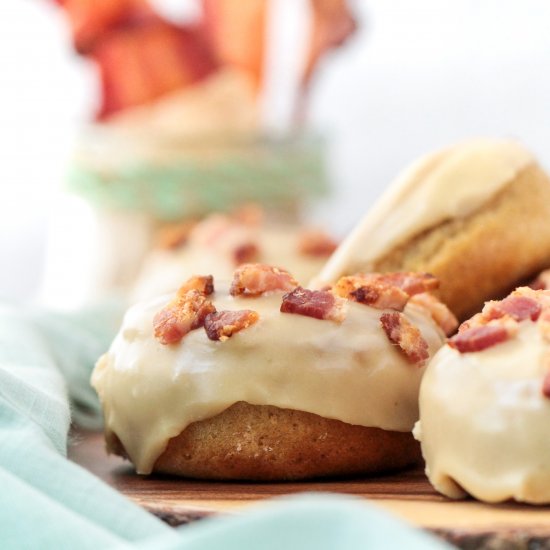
(255, 378)
(485, 404)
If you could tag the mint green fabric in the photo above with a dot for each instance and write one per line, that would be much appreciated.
(48, 502)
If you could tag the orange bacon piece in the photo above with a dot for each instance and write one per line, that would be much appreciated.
(319, 304)
(221, 325)
(257, 279)
(401, 332)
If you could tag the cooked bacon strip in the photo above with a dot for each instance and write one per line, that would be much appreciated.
(477, 320)
(246, 253)
(401, 332)
(314, 242)
(204, 284)
(92, 20)
(482, 337)
(257, 279)
(221, 325)
(371, 293)
(319, 304)
(439, 312)
(182, 315)
(517, 307)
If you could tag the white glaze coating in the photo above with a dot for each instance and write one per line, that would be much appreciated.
(445, 185)
(150, 392)
(484, 421)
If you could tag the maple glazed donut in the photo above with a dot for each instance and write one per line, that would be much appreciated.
(477, 216)
(485, 404)
(265, 380)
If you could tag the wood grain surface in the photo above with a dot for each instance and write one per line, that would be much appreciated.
(467, 524)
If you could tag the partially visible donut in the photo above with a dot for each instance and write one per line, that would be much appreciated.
(264, 379)
(485, 404)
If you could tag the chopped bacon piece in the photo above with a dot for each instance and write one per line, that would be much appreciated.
(482, 337)
(440, 313)
(256, 279)
(174, 235)
(318, 304)
(314, 242)
(221, 325)
(251, 214)
(182, 315)
(246, 253)
(371, 293)
(204, 284)
(518, 308)
(403, 333)
(546, 385)
(385, 290)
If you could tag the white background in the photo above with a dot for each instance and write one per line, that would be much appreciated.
(421, 74)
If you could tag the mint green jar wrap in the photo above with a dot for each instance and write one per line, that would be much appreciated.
(170, 179)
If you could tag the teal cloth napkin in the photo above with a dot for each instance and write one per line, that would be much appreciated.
(46, 501)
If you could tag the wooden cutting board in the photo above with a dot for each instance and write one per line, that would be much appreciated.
(467, 524)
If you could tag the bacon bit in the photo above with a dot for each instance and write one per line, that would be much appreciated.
(182, 315)
(439, 312)
(371, 293)
(318, 304)
(482, 337)
(385, 290)
(174, 235)
(204, 284)
(518, 308)
(222, 325)
(546, 385)
(403, 333)
(314, 242)
(249, 214)
(246, 253)
(256, 279)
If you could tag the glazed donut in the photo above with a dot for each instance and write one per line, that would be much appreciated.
(485, 404)
(263, 379)
(476, 215)
(220, 242)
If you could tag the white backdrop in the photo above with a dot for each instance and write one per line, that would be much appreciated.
(421, 74)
